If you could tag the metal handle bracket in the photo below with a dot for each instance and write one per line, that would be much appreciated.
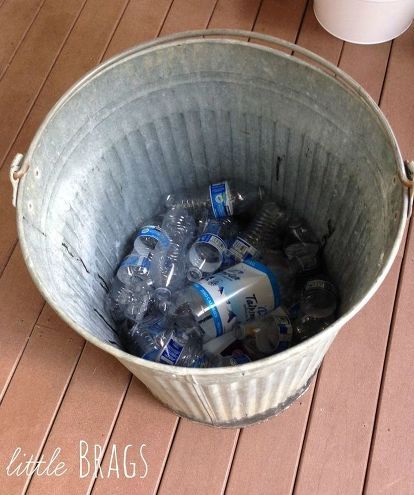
(17, 171)
(409, 183)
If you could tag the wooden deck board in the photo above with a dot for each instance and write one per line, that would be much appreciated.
(16, 319)
(16, 18)
(38, 379)
(391, 468)
(87, 414)
(337, 445)
(33, 397)
(149, 427)
(45, 39)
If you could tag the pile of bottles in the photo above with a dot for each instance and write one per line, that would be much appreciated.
(207, 283)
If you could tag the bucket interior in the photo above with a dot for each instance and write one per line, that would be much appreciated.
(186, 115)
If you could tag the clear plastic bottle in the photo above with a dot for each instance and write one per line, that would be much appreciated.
(318, 307)
(268, 335)
(163, 341)
(168, 263)
(127, 302)
(243, 292)
(223, 199)
(300, 240)
(262, 232)
(134, 268)
(207, 253)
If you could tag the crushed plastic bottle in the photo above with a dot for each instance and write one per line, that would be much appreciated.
(134, 268)
(163, 340)
(263, 232)
(318, 307)
(222, 199)
(126, 302)
(268, 335)
(168, 264)
(207, 253)
(300, 240)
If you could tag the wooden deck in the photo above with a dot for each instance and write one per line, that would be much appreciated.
(351, 433)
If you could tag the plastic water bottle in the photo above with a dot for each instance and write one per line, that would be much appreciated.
(300, 240)
(318, 307)
(163, 341)
(127, 302)
(168, 263)
(134, 268)
(207, 253)
(243, 292)
(268, 335)
(264, 231)
(223, 199)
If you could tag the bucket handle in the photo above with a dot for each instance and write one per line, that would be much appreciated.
(18, 169)
(406, 175)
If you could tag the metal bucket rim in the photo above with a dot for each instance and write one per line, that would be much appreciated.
(196, 37)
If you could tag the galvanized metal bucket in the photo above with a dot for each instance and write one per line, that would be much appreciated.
(185, 111)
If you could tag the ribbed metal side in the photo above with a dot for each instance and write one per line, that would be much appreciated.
(234, 399)
(183, 116)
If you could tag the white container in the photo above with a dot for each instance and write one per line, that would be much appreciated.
(183, 112)
(365, 21)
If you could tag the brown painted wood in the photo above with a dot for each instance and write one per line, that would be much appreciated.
(234, 14)
(186, 15)
(337, 444)
(142, 21)
(16, 18)
(20, 305)
(44, 40)
(280, 19)
(313, 37)
(397, 100)
(85, 419)
(391, 468)
(149, 427)
(267, 455)
(34, 395)
(367, 64)
(199, 461)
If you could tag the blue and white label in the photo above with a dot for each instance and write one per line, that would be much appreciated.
(172, 352)
(242, 250)
(241, 293)
(136, 261)
(156, 233)
(214, 240)
(221, 200)
(238, 357)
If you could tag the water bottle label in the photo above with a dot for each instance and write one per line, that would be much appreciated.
(214, 240)
(241, 293)
(213, 227)
(242, 250)
(221, 200)
(285, 329)
(238, 357)
(172, 352)
(156, 233)
(136, 261)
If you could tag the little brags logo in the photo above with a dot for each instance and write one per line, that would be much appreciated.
(253, 310)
